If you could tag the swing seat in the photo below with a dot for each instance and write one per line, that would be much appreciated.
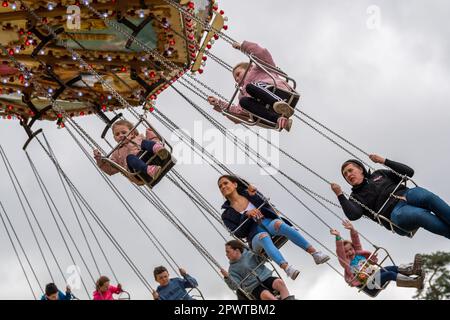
(198, 295)
(251, 119)
(142, 179)
(124, 295)
(371, 277)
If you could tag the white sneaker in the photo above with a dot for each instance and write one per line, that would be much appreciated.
(292, 273)
(320, 257)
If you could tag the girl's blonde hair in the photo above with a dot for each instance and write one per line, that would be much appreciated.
(125, 123)
(241, 65)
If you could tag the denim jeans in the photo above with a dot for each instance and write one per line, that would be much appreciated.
(140, 165)
(268, 227)
(385, 275)
(422, 209)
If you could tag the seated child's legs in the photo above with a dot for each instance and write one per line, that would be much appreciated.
(387, 274)
(259, 109)
(260, 91)
(265, 290)
(136, 164)
(153, 148)
(263, 92)
(148, 145)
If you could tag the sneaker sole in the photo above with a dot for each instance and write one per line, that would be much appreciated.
(323, 261)
(283, 108)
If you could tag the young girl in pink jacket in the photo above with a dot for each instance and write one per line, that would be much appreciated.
(132, 147)
(105, 291)
(255, 95)
(352, 258)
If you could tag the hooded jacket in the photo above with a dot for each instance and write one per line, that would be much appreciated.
(374, 191)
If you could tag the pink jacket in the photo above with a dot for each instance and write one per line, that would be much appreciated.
(108, 295)
(255, 74)
(345, 262)
(120, 155)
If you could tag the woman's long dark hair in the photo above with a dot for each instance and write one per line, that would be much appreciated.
(242, 185)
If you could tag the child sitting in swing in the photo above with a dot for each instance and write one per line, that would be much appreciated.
(353, 258)
(256, 96)
(133, 145)
(105, 291)
(172, 288)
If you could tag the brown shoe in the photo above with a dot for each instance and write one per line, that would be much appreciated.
(412, 268)
(283, 108)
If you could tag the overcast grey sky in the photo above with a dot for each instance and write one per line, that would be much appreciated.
(385, 88)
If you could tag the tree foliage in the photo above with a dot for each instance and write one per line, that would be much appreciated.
(437, 282)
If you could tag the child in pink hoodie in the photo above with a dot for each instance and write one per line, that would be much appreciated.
(132, 146)
(105, 291)
(352, 258)
(255, 95)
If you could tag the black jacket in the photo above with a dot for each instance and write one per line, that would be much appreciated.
(374, 191)
(233, 219)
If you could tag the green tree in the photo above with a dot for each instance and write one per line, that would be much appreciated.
(437, 283)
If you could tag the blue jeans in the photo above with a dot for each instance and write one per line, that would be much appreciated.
(267, 227)
(140, 165)
(422, 209)
(386, 274)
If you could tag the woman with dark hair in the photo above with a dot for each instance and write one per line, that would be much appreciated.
(408, 208)
(247, 215)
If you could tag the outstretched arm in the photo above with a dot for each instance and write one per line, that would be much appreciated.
(220, 105)
(396, 166)
(258, 51)
(351, 209)
(188, 282)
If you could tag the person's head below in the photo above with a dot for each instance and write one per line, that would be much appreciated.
(161, 275)
(239, 71)
(102, 284)
(354, 172)
(349, 249)
(121, 128)
(228, 185)
(234, 250)
(51, 291)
